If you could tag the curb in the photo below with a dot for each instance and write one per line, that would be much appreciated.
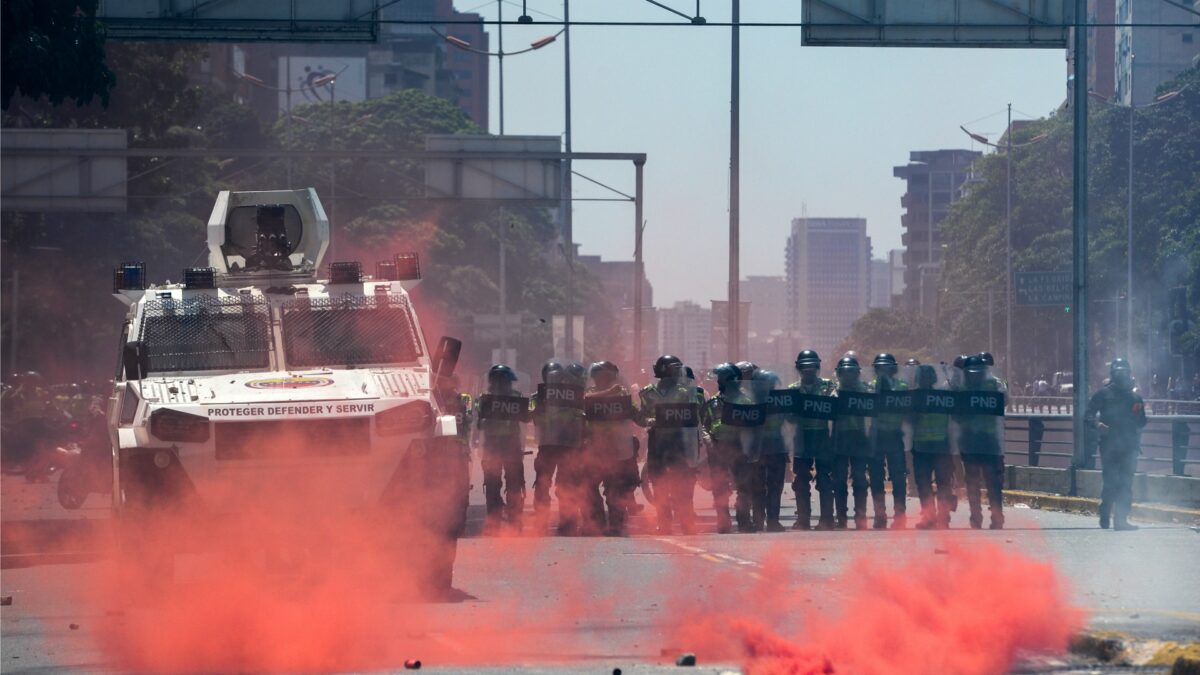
(1118, 649)
(1156, 513)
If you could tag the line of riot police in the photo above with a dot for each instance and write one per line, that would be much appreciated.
(844, 436)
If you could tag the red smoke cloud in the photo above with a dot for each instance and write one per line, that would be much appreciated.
(973, 611)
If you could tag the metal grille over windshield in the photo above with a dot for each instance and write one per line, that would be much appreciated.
(206, 333)
(350, 330)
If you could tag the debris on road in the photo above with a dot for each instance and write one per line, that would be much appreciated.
(941, 551)
(73, 626)
(412, 664)
(688, 659)
(5, 601)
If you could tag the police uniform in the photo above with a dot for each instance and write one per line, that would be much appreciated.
(503, 455)
(1123, 412)
(728, 464)
(560, 439)
(772, 460)
(671, 455)
(981, 447)
(813, 460)
(932, 461)
(887, 431)
(852, 456)
(610, 462)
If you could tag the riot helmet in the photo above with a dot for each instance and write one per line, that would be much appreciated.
(987, 359)
(551, 368)
(728, 375)
(764, 382)
(808, 359)
(848, 369)
(500, 377)
(576, 373)
(912, 362)
(1120, 372)
(885, 364)
(667, 366)
(975, 371)
(960, 361)
(604, 374)
(748, 369)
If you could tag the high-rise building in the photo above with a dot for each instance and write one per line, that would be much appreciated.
(896, 273)
(1135, 46)
(617, 283)
(767, 296)
(934, 179)
(685, 330)
(881, 284)
(828, 279)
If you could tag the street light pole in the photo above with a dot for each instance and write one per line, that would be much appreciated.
(1129, 226)
(1008, 288)
(1079, 247)
(734, 349)
(568, 233)
(500, 56)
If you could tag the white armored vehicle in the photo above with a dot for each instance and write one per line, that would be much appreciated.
(254, 383)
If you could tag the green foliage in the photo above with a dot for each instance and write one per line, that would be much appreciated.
(904, 334)
(1166, 235)
(55, 49)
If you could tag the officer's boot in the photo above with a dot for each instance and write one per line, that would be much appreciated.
(880, 504)
(900, 520)
(860, 512)
(803, 514)
(724, 523)
(826, 521)
(1104, 510)
(1120, 520)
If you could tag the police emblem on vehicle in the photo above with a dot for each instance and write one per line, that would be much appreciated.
(297, 382)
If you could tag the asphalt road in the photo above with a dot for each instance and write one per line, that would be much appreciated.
(550, 604)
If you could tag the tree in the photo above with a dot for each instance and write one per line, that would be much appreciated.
(53, 48)
(902, 333)
(1166, 246)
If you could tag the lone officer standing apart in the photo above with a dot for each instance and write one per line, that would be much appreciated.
(1122, 414)
(851, 449)
(887, 434)
(812, 459)
(980, 445)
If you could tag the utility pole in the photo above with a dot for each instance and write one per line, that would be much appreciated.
(1129, 227)
(500, 56)
(503, 236)
(735, 304)
(1008, 287)
(639, 270)
(568, 229)
(1079, 248)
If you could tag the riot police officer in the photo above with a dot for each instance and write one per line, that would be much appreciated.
(812, 460)
(559, 426)
(673, 443)
(725, 457)
(772, 460)
(981, 447)
(889, 459)
(931, 457)
(503, 456)
(610, 460)
(1118, 413)
(851, 448)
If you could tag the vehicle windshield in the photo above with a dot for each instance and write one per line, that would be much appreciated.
(350, 330)
(206, 333)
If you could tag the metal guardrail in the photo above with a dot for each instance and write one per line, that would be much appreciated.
(1062, 405)
(1047, 440)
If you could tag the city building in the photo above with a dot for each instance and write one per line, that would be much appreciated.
(828, 280)
(685, 330)
(896, 273)
(881, 284)
(276, 78)
(934, 179)
(1125, 58)
(617, 281)
(767, 342)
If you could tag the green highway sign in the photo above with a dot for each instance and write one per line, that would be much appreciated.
(1043, 288)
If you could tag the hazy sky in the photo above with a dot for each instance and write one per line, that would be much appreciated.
(821, 127)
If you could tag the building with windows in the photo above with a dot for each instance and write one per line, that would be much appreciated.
(828, 280)
(934, 179)
(881, 284)
(685, 330)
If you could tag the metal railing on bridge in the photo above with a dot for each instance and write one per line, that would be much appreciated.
(1038, 432)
